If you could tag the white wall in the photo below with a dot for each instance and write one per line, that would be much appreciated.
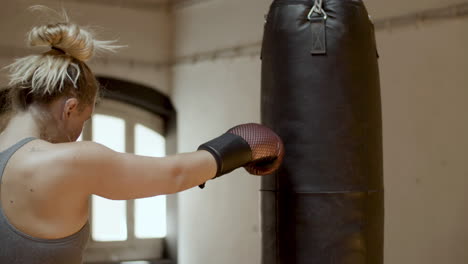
(425, 91)
(219, 224)
(424, 88)
(386, 8)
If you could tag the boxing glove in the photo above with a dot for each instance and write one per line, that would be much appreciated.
(253, 146)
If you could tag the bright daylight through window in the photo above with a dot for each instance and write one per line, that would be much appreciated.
(109, 218)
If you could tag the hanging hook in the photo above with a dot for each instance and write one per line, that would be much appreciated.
(317, 8)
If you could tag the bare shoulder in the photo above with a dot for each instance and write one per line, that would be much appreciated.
(87, 168)
(68, 165)
(41, 153)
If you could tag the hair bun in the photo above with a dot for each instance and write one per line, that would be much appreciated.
(50, 74)
(74, 41)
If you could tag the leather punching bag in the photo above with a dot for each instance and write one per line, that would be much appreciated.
(321, 94)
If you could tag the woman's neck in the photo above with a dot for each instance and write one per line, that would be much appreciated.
(21, 125)
(29, 123)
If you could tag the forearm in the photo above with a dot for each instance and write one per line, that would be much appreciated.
(122, 176)
(194, 169)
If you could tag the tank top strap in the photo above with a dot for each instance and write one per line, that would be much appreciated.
(8, 153)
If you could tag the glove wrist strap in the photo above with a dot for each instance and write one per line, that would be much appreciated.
(230, 151)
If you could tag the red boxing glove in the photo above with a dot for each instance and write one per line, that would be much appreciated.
(266, 146)
(255, 147)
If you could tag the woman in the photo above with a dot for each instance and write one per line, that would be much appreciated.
(47, 178)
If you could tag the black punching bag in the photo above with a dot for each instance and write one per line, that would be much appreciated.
(320, 93)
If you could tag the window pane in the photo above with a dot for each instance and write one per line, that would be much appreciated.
(150, 217)
(109, 219)
(109, 131)
(150, 213)
(148, 142)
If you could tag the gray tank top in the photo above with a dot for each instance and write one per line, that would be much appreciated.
(19, 248)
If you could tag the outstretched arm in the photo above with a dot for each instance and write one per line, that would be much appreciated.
(96, 169)
(91, 168)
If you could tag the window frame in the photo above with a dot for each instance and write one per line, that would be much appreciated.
(133, 248)
(159, 104)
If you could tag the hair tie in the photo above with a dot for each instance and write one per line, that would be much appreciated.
(58, 49)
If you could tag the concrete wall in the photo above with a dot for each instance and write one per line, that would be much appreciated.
(219, 224)
(424, 81)
(424, 92)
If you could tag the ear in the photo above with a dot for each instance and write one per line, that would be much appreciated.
(70, 106)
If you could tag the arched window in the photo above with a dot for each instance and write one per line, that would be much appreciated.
(132, 123)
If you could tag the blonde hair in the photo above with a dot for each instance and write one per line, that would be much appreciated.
(60, 71)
